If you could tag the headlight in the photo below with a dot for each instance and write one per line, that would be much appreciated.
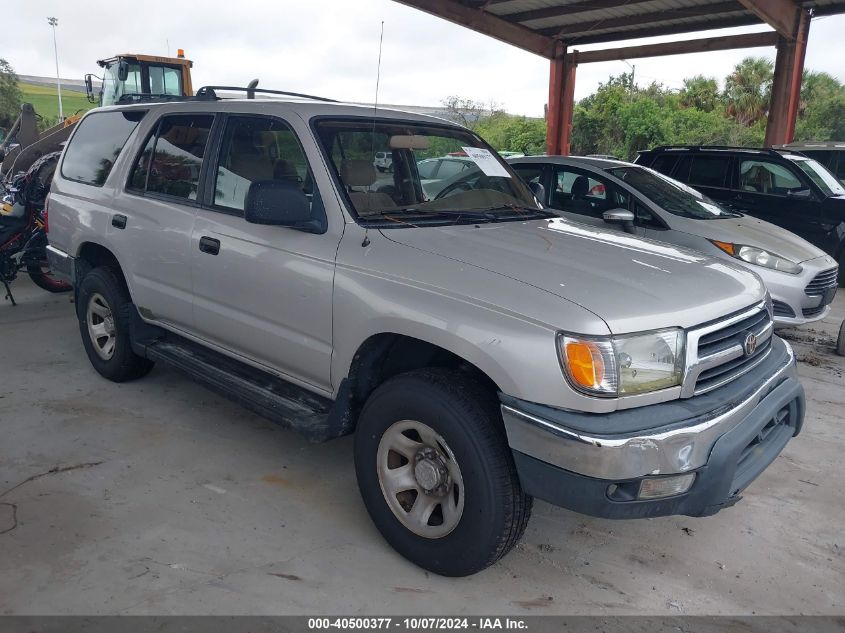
(759, 257)
(623, 365)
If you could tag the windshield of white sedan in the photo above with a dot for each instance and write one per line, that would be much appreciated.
(671, 195)
(399, 173)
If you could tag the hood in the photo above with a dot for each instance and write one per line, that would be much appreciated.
(751, 231)
(633, 284)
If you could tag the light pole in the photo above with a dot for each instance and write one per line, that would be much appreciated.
(54, 22)
(633, 72)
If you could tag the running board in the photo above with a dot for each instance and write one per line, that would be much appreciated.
(315, 417)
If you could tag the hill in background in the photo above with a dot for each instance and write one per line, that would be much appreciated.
(46, 102)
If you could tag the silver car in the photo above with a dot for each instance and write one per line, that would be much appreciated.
(483, 351)
(622, 196)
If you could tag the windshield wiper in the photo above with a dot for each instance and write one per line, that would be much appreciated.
(519, 212)
(455, 213)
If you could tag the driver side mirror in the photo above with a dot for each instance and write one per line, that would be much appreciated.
(89, 88)
(122, 71)
(279, 203)
(620, 216)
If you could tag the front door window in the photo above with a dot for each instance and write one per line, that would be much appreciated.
(765, 176)
(578, 192)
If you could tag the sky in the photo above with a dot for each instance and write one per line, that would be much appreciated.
(331, 47)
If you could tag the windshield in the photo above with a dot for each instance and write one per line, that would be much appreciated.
(825, 181)
(671, 195)
(163, 80)
(398, 173)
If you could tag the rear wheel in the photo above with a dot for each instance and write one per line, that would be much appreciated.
(103, 306)
(436, 473)
(43, 277)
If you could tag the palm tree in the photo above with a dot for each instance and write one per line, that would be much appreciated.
(748, 90)
(700, 92)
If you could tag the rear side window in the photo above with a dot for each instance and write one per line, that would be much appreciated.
(171, 161)
(97, 143)
(709, 171)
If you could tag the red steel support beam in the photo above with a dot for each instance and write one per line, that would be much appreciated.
(561, 104)
(701, 45)
(786, 84)
(781, 15)
(557, 67)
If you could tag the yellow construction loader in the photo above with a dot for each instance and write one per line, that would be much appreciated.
(126, 77)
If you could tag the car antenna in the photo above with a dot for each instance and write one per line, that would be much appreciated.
(366, 241)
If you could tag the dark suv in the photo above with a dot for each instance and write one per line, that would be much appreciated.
(780, 186)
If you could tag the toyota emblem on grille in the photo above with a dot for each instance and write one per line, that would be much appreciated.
(750, 344)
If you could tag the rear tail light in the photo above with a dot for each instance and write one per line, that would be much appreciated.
(46, 214)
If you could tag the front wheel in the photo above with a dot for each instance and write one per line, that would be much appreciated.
(436, 474)
(103, 306)
(43, 277)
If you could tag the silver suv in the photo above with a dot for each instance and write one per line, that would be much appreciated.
(483, 351)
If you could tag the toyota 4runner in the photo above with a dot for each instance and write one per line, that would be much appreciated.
(483, 351)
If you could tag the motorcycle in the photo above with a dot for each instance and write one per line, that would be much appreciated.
(23, 227)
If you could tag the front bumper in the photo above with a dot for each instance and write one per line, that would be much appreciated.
(793, 306)
(727, 438)
(61, 264)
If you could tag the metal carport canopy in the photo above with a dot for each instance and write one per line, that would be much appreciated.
(552, 28)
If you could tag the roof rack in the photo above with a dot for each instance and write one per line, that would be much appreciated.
(759, 150)
(143, 97)
(211, 92)
(799, 145)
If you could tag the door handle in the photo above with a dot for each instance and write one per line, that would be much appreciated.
(209, 245)
(118, 221)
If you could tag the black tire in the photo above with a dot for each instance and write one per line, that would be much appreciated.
(495, 511)
(123, 364)
(840, 343)
(46, 281)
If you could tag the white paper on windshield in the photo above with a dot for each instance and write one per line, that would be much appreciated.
(486, 162)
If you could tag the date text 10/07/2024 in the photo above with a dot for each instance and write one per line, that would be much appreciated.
(417, 623)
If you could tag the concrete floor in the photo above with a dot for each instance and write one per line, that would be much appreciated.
(177, 501)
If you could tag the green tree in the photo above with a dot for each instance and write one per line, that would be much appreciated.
(748, 90)
(10, 95)
(513, 133)
(700, 92)
(467, 112)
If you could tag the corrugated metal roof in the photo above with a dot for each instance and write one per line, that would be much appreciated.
(590, 21)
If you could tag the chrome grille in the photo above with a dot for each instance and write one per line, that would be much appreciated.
(822, 282)
(715, 352)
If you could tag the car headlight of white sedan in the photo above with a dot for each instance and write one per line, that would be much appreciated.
(758, 257)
